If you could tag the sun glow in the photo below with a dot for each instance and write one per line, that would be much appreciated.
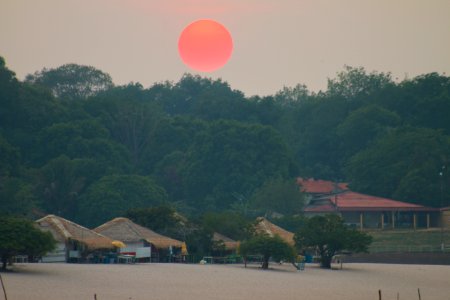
(205, 45)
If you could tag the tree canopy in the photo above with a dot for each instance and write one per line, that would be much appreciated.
(72, 81)
(329, 235)
(69, 139)
(268, 247)
(19, 236)
(113, 195)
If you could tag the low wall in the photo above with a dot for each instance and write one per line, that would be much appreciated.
(401, 258)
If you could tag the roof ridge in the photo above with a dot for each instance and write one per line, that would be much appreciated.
(60, 226)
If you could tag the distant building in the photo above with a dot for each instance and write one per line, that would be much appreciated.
(143, 242)
(364, 211)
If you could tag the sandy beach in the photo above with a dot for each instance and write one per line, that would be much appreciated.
(217, 282)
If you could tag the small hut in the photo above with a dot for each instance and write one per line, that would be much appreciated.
(266, 227)
(74, 242)
(223, 246)
(143, 242)
(230, 245)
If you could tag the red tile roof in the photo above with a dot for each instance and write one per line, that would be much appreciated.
(320, 186)
(352, 201)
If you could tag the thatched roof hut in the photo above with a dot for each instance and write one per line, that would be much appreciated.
(229, 243)
(66, 231)
(266, 227)
(125, 230)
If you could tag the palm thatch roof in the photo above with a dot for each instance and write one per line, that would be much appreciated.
(266, 227)
(229, 243)
(64, 230)
(125, 230)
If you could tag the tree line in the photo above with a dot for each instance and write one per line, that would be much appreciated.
(75, 145)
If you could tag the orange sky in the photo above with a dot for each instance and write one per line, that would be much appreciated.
(276, 43)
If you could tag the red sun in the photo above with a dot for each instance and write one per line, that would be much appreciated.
(205, 45)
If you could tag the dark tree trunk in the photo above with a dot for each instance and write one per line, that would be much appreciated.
(265, 264)
(325, 262)
(4, 262)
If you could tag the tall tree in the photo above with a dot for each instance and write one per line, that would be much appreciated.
(280, 196)
(113, 195)
(62, 181)
(362, 126)
(355, 84)
(423, 101)
(17, 197)
(72, 81)
(292, 96)
(314, 139)
(130, 122)
(81, 139)
(233, 158)
(404, 164)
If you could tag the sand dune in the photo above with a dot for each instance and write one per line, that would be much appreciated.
(230, 282)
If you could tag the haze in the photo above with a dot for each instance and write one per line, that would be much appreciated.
(276, 43)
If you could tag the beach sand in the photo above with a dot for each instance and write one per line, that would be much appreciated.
(230, 282)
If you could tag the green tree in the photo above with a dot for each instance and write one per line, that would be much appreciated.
(9, 91)
(268, 247)
(131, 122)
(233, 158)
(113, 195)
(62, 181)
(81, 139)
(314, 139)
(230, 224)
(24, 110)
(354, 83)
(329, 235)
(20, 237)
(423, 101)
(278, 195)
(169, 174)
(291, 223)
(292, 96)
(403, 164)
(162, 219)
(17, 197)
(9, 158)
(72, 81)
(364, 125)
(199, 242)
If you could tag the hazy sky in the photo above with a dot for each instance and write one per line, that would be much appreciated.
(276, 43)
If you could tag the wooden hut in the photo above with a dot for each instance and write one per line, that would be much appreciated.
(74, 242)
(266, 227)
(141, 240)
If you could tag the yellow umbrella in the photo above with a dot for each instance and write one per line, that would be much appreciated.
(184, 249)
(118, 244)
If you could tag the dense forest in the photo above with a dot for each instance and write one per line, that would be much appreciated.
(74, 144)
